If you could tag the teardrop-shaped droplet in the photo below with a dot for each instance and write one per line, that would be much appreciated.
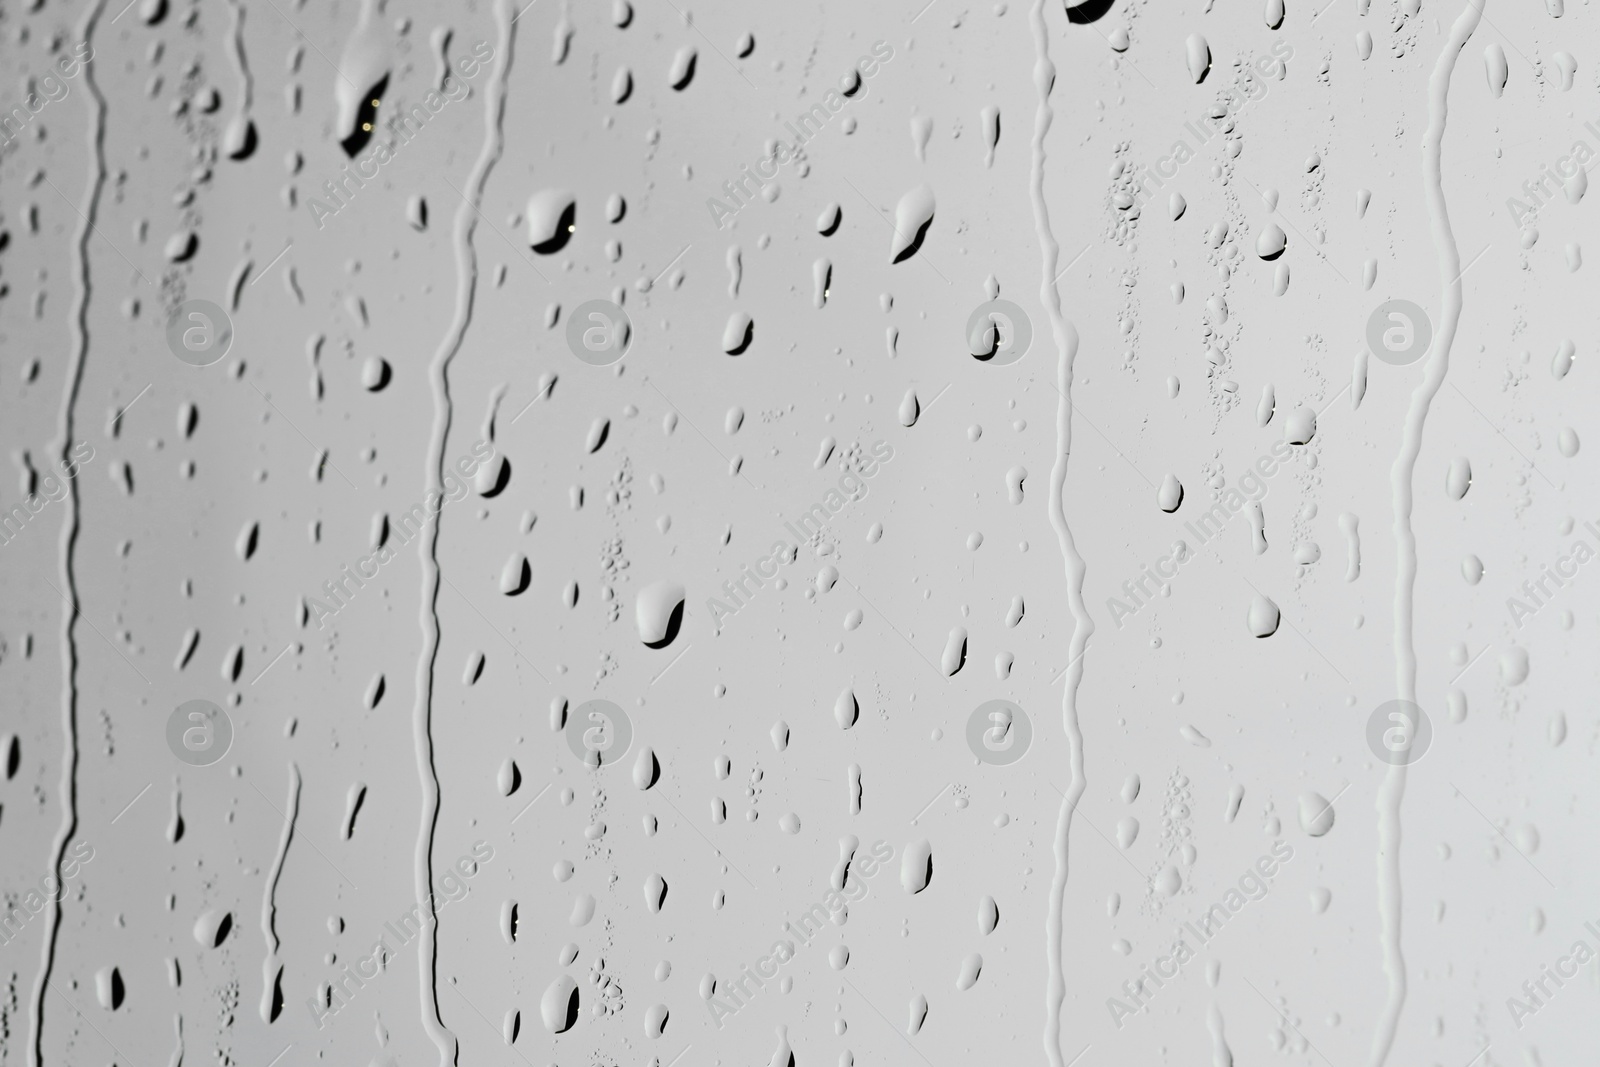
(682, 68)
(516, 575)
(552, 216)
(916, 866)
(1198, 54)
(1495, 66)
(1566, 352)
(659, 612)
(1458, 478)
(559, 1005)
(108, 988)
(990, 117)
(1316, 814)
(971, 967)
(910, 409)
(655, 892)
(1300, 427)
(955, 651)
(1270, 241)
(239, 139)
(912, 217)
(212, 927)
(988, 915)
(509, 777)
(846, 710)
(1566, 66)
(599, 430)
(1263, 618)
(737, 334)
(1575, 186)
(646, 769)
(1170, 495)
(360, 80)
(919, 1014)
(783, 1055)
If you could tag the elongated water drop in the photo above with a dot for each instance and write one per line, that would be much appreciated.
(1495, 66)
(1198, 55)
(912, 217)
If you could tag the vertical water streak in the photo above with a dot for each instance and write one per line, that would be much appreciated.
(96, 129)
(272, 964)
(428, 545)
(1066, 342)
(241, 65)
(1401, 477)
